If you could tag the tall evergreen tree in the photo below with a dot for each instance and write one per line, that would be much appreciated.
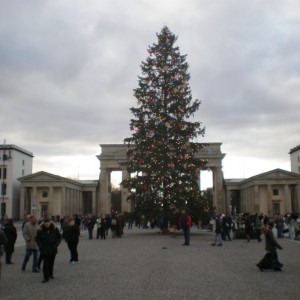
(161, 152)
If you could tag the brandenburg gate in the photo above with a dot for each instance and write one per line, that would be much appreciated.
(113, 155)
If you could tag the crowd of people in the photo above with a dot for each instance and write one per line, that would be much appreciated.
(42, 237)
(253, 226)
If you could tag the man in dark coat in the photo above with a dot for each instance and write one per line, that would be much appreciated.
(10, 232)
(90, 226)
(71, 235)
(48, 238)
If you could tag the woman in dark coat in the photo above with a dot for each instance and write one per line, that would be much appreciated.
(270, 260)
(71, 235)
(10, 232)
(48, 238)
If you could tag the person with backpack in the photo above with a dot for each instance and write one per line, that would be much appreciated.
(185, 222)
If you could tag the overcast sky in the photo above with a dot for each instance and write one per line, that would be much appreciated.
(68, 69)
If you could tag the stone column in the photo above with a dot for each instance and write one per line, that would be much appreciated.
(269, 200)
(227, 200)
(218, 201)
(23, 213)
(125, 205)
(51, 202)
(287, 204)
(256, 199)
(199, 179)
(63, 206)
(94, 210)
(72, 201)
(297, 198)
(34, 202)
(105, 197)
(80, 203)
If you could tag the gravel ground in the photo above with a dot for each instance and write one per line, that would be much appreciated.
(147, 265)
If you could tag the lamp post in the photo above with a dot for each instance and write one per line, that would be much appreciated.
(4, 158)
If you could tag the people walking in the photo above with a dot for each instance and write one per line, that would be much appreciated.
(10, 232)
(29, 233)
(226, 227)
(98, 224)
(113, 225)
(48, 238)
(270, 260)
(279, 225)
(71, 235)
(258, 226)
(185, 223)
(248, 226)
(218, 231)
(103, 227)
(90, 224)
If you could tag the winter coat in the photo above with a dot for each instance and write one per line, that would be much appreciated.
(218, 225)
(185, 221)
(29, 234)
(2, 241)
(10, 232)
(271, 243)
(48, 239)
(71, 234)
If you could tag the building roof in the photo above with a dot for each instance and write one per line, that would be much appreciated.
(234, 180)
(294, 149)
(16, 148)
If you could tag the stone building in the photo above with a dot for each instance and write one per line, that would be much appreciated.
(272, 193)
(276, 192)
(14, 163)
(295, 159)
(44, 194)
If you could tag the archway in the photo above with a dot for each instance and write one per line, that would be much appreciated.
(113, 156)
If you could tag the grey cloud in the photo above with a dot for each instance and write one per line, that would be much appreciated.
(68, 70)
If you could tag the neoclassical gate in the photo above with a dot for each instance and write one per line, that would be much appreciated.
(112, 156)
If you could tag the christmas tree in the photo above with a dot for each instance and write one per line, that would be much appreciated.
(161, 153)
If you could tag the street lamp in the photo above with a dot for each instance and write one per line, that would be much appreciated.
(4, 158)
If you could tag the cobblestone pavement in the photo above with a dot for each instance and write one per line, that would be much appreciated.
(146, 265)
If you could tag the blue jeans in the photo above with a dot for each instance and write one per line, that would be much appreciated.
(186, 232)
(27, 256)
(218, 239)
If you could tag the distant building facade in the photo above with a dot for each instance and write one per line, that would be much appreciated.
(14, 163)
(273, 193)
(44, 194)
(295, 159)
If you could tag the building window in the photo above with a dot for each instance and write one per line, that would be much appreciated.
(298, 170)
(23, 172)
(3, 172)
(3, 189)
(275, 192)
(45, 195)
(276, 209)
(23, 162)
(298, 158)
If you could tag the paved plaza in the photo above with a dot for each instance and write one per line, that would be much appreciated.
(147, 265)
